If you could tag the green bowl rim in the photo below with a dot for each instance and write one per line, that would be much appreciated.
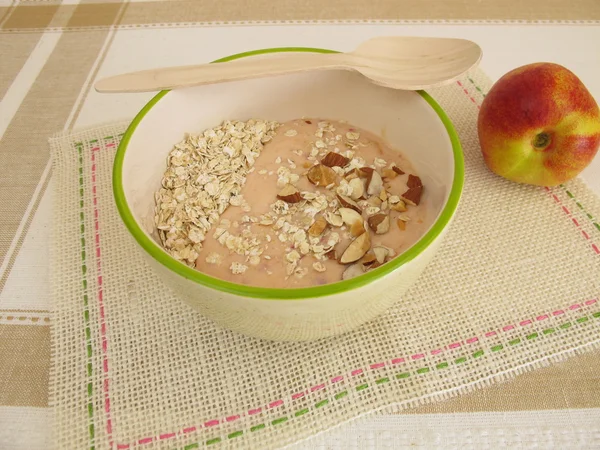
(185, 271)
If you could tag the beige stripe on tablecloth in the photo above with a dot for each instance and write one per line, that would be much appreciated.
(16, 48)
(45, 109)
(25, 356)
(166, 12)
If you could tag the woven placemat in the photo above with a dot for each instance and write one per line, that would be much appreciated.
(514, 286)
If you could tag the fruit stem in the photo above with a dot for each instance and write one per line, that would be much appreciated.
(541, 140)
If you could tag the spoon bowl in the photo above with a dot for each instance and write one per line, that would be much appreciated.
(398, 62)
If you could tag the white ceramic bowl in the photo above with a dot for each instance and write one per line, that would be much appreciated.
(410, 121)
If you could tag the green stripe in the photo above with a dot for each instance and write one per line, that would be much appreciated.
(213, 441)
(278, 421)
(321, 403)
(257, 427)
(341, 395)
(191, 446)
(234, 435)
(301, 412)
(362, 386)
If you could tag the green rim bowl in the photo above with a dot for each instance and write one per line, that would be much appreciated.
(162, 257)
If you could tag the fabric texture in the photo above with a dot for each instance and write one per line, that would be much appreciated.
(515, 286)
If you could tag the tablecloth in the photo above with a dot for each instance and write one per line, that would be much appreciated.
(51, 54)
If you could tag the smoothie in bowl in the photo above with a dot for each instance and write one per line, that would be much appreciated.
(291, 208)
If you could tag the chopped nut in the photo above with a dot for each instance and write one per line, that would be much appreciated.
(365, 171)
(397, 170)
(368, 259)
(400, 206)
(357, 248)
(334, 219)
(374, 183)
(321, 175)
(354, 220)
(335, 159)
(383, 195)
(347, 202)
(379, 223)
(317, 228)
(354, 173)
(289, 194)
(413, 181)
(381, 253)
(374, 201)
(353, 271)
(390, 174)
(413, 195)
(358, 188)
(401, 224)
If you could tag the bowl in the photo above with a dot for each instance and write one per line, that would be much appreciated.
(410, 121)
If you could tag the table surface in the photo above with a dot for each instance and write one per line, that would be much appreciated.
(51, 55)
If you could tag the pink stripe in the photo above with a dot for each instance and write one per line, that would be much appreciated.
(122, 446)
(356, 372)
(472, 340)
(508, 327)
(437, 351)
(525, 322)
(232, 418)
(418, 356)
(97, 253)
(555, 198)
(316, 388)
(572, 307)
(275, 404)
(575, 221)
(254, 411)
(455, 345)
(145, 440)
(110, 145)
(211, 423)
(167, 436)
(544, 317)
(103, 327)
(336, 379)
(564, 208)
(104, 345)
(105, 364)
(585, 235)
(189, 429)
(95, 149)
(490, 333)
(468, 95)
(105, 384)
(378, 365)
(109, 422)
(591, 302)
(298, 395)
(94, 187)
(397, 360)
(558, 313)
(596, 249)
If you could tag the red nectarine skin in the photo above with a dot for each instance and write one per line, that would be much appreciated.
(534, 99)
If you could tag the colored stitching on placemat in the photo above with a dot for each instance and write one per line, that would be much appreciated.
(593, 245)
(86, 311)
(400, 376)
(580, 206)
(100, 295)
(354, 373)
(573, 220)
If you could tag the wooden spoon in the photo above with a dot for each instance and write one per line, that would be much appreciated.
(408, 63)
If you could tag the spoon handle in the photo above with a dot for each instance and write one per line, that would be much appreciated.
(185, 76)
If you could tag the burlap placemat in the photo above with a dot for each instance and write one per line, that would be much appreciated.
(514, 286)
